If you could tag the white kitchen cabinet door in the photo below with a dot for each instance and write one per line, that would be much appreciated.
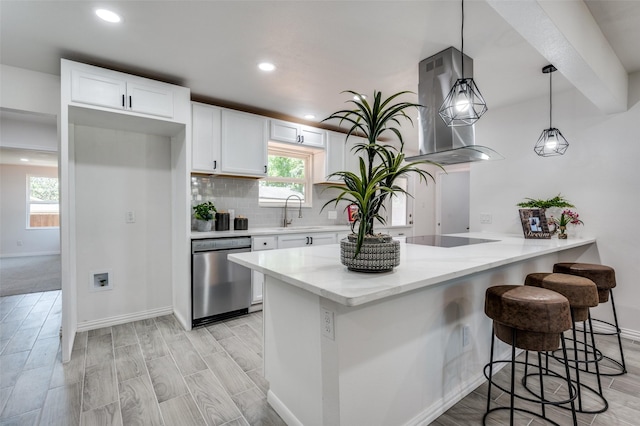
(205, 133)
(257, 278)
(323, 239)
(111, 89)
(292, 240)
(150, 99)
(244, 144)
(313, 137)
(301, 240)
(284, 131)
(257, 284)
(97, 89)
(352, 159)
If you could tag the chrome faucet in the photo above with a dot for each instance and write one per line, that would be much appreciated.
(288, 221)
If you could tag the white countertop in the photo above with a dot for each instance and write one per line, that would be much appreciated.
(318, 270)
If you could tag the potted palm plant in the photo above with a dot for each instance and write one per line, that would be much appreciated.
(380, 164)
(203, 214)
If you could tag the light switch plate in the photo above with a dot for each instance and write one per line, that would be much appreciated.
(333, 214)
(130, 217)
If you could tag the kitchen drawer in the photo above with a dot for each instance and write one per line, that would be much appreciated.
(264, 243)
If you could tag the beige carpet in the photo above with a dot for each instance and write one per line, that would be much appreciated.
(19, 275)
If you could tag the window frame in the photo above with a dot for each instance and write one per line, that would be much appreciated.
(29, 202)
(307, 157)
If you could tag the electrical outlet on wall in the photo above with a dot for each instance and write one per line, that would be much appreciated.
(485, 218)
(465, 335)
(327, 323)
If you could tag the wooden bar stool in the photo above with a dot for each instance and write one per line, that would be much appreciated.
(605, 279)
(582, 294)
(533, 319)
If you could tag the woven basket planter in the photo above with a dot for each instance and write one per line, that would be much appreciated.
(378, 253)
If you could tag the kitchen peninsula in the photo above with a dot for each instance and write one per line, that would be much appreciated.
(398, 348)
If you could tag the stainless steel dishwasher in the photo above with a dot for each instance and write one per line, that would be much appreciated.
(220, 288)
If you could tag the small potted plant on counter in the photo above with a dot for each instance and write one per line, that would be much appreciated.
(566, 217)
(204, 214)
(380, 165)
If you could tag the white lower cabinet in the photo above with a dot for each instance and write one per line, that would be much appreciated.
(257, 278)
(301, 240)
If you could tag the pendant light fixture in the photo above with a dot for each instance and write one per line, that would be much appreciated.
(464, 105)
(551, 142)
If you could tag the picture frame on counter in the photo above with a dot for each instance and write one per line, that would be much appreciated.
(534, 224)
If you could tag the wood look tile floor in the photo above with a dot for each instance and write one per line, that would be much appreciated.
(148, 372)
(151, 372)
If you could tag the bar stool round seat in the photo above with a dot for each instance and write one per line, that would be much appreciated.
(533, 319)
(605, 279)
(582, 294)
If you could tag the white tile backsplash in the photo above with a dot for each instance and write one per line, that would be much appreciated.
(241, 195)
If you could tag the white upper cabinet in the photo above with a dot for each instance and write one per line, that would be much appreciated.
(206, 136)
(284, 131)
(337, 156)
(228, 142)
(352, 158)
(111, 89)
(244, 144)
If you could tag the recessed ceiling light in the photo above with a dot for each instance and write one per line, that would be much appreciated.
(107, 15)
(359, 97)
(266, 66)
(24, 159)
(309, 116)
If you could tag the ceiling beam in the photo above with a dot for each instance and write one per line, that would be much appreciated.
(565, 33)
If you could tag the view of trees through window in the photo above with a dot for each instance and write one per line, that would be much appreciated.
(43, 210)
(286, 176)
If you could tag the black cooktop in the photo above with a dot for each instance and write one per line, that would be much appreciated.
(445, 241)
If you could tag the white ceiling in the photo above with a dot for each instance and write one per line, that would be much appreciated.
(319, 47)
(28, 157)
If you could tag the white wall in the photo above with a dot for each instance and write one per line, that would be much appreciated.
(599, 174)
(13, 214)
(116, 172)
(20, 131)
(26, 90)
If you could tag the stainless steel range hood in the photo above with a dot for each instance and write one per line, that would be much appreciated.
(439, 143)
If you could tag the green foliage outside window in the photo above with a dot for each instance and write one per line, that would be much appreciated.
(44, 188)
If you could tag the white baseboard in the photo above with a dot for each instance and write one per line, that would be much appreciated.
(625, 333)
(122, 319)
(38, 253)
(282, 410)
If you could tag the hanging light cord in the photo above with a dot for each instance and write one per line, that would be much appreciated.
(550, 97)
(462, 40)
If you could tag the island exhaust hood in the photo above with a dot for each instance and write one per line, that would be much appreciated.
(439, 143)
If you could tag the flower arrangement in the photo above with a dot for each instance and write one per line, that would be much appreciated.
(567, 217)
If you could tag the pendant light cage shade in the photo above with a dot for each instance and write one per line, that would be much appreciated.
(464, 105)
(550, 143)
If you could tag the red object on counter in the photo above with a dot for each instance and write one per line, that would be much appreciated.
(353, 212)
